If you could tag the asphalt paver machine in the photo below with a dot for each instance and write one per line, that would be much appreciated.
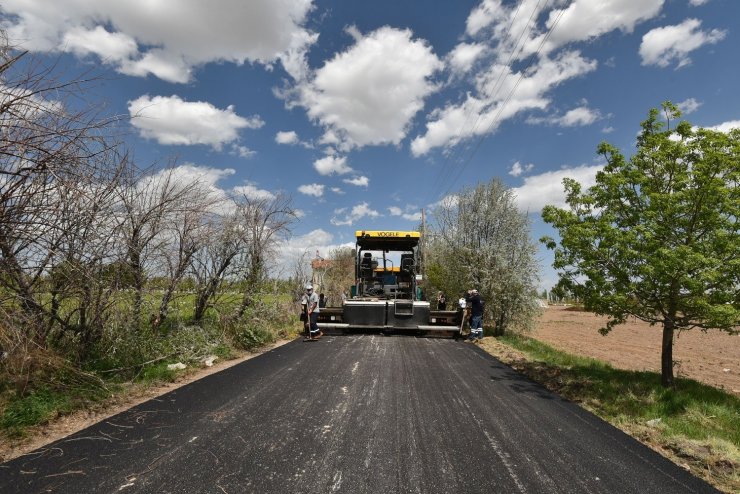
(386, 295)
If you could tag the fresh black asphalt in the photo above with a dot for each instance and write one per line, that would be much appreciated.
(353, 414)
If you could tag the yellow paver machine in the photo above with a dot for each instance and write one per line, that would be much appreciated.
(387, 295)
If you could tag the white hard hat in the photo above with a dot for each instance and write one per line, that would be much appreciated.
(309, 286)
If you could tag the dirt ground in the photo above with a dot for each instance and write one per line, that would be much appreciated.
(712, 357)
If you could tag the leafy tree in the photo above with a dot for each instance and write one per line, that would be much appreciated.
(658, 236)
(482, 240)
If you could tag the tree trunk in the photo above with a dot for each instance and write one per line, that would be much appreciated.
(204, 297)
(138, 279)
(500, 328)
(666, 356)
(201, 303)
(245, 304)
(164, 306)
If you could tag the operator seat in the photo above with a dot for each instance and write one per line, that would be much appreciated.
(366, 265)
(407, 263)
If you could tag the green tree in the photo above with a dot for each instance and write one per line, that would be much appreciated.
(658, 236)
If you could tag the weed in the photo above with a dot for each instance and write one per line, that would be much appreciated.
(32, 409)
(153, 374)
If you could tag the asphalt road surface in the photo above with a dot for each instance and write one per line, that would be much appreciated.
(354, 414)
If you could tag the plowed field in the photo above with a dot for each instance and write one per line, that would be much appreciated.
(712, 357)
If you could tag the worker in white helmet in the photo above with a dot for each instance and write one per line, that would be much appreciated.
(312, 309)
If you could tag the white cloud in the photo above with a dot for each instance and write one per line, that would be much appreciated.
(316, 190)
(170, 120)
(338, 191)
(580, 116)
(688, 106)
(361, 181)
(608, 129)
(166, 39)
(482, 114)
(665, 45)
(485, 14)
(512, 32)
(289, 137)
(517, 169)
(209, 179)
(547, 188)
(251, 191)
(581, 20)
(726, 126)
(112, 47)
(330, 165)
(410, 213)
(207, 175)
(359, 211)
(448, 201)
(242, 151)
(587, 19)
(696, 3)
(369, 94)
(464, 55)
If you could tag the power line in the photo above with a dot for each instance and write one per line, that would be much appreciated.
(497, 87)
(508, 98)
(456, 154)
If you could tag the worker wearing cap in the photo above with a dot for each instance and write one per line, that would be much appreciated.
(476, 323)
(312, 307)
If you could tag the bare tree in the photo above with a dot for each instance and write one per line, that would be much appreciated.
(340, 274)
(263, 222)
(79, 293)
(146, 202)
(188, 233)
(300, 274)
(215, 260)
(52, 159)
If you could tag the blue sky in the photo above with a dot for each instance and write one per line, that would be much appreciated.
(366, 112)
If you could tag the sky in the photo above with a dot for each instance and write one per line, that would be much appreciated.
(366, 112)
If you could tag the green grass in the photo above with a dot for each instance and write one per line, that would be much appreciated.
(157, 373)
(698, 422)
(34, 408)
(45, 403)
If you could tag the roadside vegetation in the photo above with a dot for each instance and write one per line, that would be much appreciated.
(478, 238)
(111, 270)
(693, 424)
